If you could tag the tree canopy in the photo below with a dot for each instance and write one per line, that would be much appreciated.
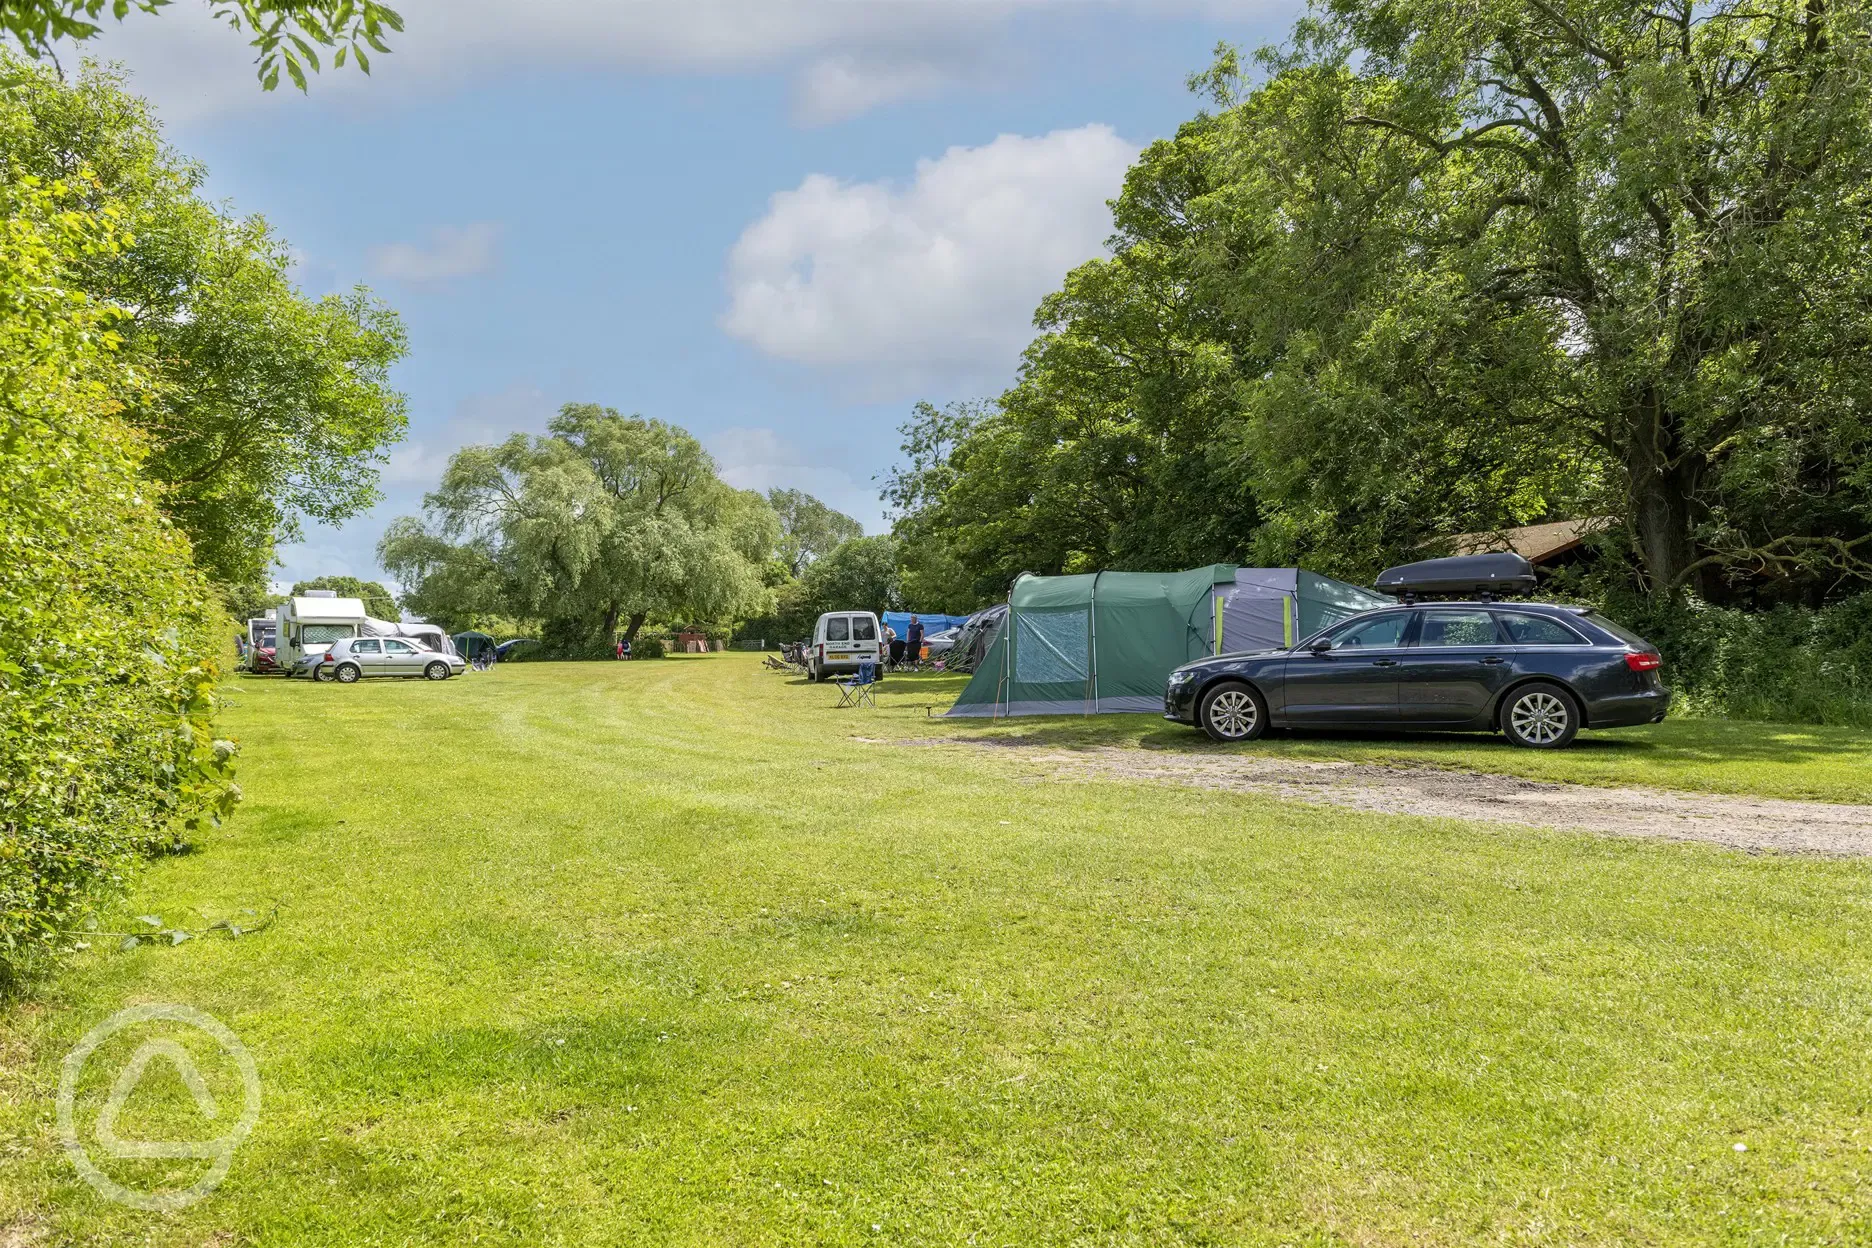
(285, 34)
(607, 519)
(809, 529)
(262, 407)
(1449, 269)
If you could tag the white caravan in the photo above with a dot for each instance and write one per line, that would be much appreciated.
(310, 623)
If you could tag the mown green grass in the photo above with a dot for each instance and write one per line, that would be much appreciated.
(661, 953)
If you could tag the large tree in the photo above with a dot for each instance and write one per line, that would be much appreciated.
(607, 520)
(1112, 449)
(809, 529)
(1538, 256)
(262, 407)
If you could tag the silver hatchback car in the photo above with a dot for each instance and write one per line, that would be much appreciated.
(354, 658)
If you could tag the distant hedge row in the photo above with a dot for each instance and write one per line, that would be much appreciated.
(107, 632)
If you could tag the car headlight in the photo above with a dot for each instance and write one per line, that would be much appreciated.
(1182, 678)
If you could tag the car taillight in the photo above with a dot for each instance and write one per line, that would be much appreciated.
(1644, 662)
(328, 656)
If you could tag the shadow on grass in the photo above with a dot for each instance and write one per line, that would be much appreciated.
(1675, 741)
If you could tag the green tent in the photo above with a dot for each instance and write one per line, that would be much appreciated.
(1108, 641)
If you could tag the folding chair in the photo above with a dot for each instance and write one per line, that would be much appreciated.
(858, 690)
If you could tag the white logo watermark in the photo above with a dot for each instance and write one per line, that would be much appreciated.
(218, 1151)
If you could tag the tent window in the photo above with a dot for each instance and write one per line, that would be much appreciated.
(1051, 647)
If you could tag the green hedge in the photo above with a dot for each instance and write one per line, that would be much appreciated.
(1795, 664)
(108, 636)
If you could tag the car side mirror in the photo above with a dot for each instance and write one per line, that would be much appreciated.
(1321, 646)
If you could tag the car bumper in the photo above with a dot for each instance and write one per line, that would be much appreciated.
(1629, 710)
(1180, 703)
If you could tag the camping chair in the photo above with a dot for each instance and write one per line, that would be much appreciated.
(858, 690)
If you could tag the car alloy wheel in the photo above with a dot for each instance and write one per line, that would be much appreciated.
(1233, 713)
(348, 674)
(1542, 718)
(436, 671)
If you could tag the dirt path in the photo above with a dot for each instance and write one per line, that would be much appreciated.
(1753, 823)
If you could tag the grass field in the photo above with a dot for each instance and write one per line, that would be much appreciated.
(663, 953)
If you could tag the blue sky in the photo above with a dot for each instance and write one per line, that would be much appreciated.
(777, 223)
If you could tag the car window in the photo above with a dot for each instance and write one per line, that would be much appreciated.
(838, 628)
(1456, 628)
(399, 647)
(1538, 630)
(1383, 630)
(863, 628)
(1618, 630)
(363, 647)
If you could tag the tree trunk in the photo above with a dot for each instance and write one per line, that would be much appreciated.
(610, 625)
(636, 622)
(1663, 494)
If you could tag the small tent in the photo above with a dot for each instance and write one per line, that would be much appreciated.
(975, 639)
(1107, 642)
(470, 644)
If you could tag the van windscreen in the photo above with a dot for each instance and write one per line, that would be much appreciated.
(838, 628)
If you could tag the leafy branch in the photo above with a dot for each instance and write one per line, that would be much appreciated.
(156, 931)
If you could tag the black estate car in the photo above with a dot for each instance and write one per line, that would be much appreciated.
(1534, 672)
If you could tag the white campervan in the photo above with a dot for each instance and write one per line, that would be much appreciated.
(310, 623)
(841, 641)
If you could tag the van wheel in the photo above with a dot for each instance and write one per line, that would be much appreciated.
(436, 671)
(348, 673)
(1232, 712)
(1540, 716)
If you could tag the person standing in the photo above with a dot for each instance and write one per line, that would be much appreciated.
(913, 645)
(893, 646)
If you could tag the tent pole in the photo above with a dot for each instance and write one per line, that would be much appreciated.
(1092, 640)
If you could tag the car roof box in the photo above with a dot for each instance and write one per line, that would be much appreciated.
(1484, 575)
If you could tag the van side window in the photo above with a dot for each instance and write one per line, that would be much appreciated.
(863, 628)
(838, 628)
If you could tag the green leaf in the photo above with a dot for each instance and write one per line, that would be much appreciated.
(129, 943)
(150, 919)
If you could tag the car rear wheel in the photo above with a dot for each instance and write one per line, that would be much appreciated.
(436, 671)
(1232, 712)
(319, 676)
(348, 673)
(1541, 716)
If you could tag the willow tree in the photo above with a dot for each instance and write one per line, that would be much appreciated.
(1565, 255)
(606, 520)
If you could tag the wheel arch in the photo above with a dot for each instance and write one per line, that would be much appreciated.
(1536, 678)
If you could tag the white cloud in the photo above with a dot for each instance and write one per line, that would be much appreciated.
(940, 275)
(762, 459)
(846, 55)
(452, 251)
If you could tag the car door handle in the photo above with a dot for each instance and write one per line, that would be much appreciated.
(1384, 662)
(1494, 660)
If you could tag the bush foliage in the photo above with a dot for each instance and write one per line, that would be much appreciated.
(1790, 663)
(108, 635)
